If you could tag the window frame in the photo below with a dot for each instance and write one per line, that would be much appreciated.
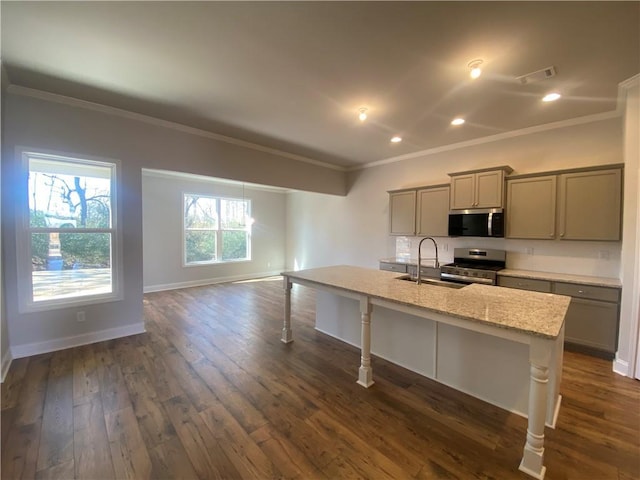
(218, 231)
(24, 231)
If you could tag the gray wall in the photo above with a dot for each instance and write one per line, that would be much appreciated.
(56, 126)
(162, 227)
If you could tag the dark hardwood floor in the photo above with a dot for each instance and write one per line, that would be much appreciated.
(210, 392)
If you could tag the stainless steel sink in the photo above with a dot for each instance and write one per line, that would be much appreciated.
(433, 281)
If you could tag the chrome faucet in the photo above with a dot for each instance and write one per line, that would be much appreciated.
(437, 264)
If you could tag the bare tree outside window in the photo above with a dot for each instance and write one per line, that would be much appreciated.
(71, 225)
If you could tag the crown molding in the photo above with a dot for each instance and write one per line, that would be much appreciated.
(152, 172)
(495, 138)
(98, 107)
(629, 83)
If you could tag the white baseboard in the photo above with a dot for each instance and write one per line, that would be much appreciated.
(208, 281)
(6, 363)
(29, 349)
(621, 367)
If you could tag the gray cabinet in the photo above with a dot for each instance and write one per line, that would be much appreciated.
(589, 205)
(402, 212)
(478, 189)
(525, 284)
(422, 211)
(432, 215)
(393, 267)
(591, 323)
(531, 207)
(567, 205)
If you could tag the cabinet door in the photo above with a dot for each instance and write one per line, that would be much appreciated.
(489, 189)
(402, 213)
(463, 191)
(590, 205)
(592, 324)
(433, 212)
(531, 207)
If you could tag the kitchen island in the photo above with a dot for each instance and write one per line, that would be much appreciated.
(437, 326)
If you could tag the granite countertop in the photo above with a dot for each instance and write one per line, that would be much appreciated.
(563, 277)
(534, 313)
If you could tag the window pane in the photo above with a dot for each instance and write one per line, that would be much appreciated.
(200, 212)
(233, 213)
(234, 245)
(200, 246)
(67, 194)
(69, 265)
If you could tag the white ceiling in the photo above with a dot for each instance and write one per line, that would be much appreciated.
(291, 75)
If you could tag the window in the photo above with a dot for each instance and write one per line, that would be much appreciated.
(70, 230)
(216, 229)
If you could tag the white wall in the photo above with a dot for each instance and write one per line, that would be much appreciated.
(627, 358)
(327, 230)
(5, 353)
(40, 121)
(162, 228)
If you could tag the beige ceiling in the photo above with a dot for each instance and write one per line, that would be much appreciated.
(291, 75)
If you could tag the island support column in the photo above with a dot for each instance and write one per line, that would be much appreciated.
(287, 336)
(540, 351)
(365, 374)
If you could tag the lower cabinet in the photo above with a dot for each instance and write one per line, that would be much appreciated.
(591, 324)
(425, 272)
(393, 267)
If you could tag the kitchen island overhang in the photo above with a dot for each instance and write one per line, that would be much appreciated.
(534, 320)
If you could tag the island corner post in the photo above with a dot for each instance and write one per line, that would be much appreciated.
(544, 354)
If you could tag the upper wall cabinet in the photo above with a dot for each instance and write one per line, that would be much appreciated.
(589, 205)
(478, 189)
(421, 211)
(531, 207)
(570, 205)
(432, 218)
(402, 212)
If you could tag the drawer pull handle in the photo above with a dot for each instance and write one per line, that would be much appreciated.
(581, 291)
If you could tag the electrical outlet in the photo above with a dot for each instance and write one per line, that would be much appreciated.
(529, 250)
(80, 316)
(603, 254)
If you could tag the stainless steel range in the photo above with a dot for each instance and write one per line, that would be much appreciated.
(474, 265)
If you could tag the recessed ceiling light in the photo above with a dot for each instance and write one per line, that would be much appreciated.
(362, 113)
(457, 121)
(396, 139)
(474, 68)
(551, 97)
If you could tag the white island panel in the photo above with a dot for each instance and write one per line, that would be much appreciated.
(403, 339)
(489, 368)
(492, 369)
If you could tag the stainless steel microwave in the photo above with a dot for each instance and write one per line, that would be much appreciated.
(485, 222)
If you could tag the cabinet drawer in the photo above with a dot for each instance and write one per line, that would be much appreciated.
(426, 272)
(525, 284)
(587, 291)
(393, 267)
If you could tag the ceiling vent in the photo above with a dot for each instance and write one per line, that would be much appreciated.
(537, 75)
